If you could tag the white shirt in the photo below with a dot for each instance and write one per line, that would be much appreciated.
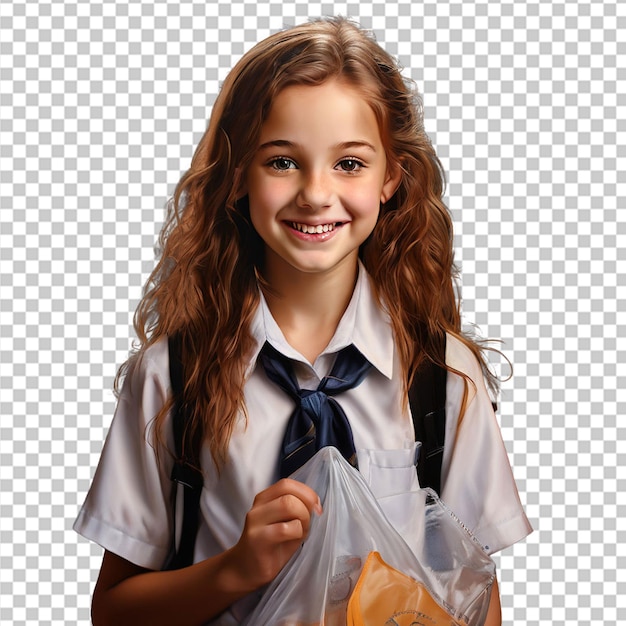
(128, 508)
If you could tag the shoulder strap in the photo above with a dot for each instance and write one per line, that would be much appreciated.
(427, 399)
(184, 471)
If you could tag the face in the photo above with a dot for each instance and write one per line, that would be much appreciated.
(317, 180)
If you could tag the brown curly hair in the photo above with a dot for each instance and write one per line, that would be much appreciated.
(205, 285)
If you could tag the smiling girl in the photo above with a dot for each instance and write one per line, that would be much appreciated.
(311, 221)
(314, 187)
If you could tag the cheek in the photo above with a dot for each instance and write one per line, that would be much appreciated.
(269, 194)
(258, 198)
(365, 199)
(265, 202)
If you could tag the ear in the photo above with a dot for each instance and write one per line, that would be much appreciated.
(392, 181)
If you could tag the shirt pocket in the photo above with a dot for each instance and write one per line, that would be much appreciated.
(390, 472)
(392, 478)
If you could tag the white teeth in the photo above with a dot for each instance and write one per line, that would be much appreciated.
(306, 228)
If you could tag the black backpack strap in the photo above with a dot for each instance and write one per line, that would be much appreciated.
(185, 470)
(427, 399)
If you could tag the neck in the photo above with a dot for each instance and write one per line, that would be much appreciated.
(308, 307)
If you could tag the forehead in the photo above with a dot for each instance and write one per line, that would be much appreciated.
(305, 114)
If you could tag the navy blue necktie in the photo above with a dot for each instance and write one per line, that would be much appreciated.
(317, 420)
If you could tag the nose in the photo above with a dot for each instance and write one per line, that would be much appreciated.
(315, 192)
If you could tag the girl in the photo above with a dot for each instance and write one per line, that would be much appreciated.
(311, 219)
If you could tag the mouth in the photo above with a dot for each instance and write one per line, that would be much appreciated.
(309, 229)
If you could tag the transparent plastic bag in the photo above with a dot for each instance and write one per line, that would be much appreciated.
(316, 584)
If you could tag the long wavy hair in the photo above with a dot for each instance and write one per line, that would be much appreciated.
(205, 285)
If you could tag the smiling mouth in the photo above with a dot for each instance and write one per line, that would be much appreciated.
(314, 230)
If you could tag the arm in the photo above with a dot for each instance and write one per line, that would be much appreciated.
(275, 527)
(128, 594)
(494, 615)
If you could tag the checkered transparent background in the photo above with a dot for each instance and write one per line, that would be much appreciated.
(101, 106)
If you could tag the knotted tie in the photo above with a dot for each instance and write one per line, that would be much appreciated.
(317, 420)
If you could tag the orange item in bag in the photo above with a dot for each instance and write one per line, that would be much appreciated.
(383, 596)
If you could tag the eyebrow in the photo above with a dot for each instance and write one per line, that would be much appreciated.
(345, 145)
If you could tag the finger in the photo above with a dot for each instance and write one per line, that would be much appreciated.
(283, 509)
(288, 486)
(285, 532)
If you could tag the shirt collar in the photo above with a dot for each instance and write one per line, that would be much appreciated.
(365, 324)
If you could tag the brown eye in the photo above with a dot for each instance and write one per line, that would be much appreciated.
(350, 165)
(282, 164)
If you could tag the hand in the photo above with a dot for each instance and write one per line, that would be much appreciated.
(275, 527)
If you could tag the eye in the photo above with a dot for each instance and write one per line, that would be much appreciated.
(282, 164)
(350, 165)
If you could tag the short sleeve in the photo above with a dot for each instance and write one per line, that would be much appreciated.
(478, 483)
(128, 508)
